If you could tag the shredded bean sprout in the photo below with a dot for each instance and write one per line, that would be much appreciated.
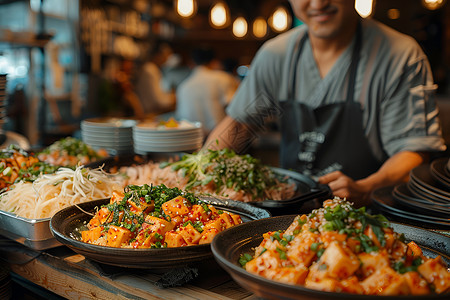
(50, 193)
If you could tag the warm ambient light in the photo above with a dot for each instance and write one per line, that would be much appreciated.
(393, 14)
(280, 20)
(185, 8)
(259, 27)
(364, 7)
(219, 15)
(240, 27)
(433, 4)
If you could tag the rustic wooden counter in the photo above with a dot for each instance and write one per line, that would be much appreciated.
(72, 276)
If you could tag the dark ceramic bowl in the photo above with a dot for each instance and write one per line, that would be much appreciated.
(66, 223)
(306, 189)
(228, 245)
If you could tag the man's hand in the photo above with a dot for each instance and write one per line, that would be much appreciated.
(344, 187)
(395, 170)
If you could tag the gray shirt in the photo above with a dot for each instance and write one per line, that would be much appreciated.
(394, 86)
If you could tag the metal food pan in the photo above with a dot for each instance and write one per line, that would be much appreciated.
(33, 233)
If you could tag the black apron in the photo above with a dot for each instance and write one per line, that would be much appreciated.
(316, 141)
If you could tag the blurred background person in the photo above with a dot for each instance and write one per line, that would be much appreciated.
(204, 95)
(153, 98)
(127, 103)
(175, 70)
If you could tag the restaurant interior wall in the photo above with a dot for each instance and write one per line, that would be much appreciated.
(39, 54)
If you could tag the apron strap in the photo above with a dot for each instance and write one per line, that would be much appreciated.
(293, 73)
(354, 64)
(293, 70)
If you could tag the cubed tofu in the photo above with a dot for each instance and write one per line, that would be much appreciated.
(157, 225)
(216, 223)
(266, 264)
(208, 235)
(340, 261)
(291, 275)
(271, 244)
(385, 281)
(141, 207)
(227, 220)
(117, 236)
(141, 237)
(178, 206)
(389, 237)
(299, 250)
(413, 251)
(398, 250)
(116, 197)
(100, 217)
(150, 239)
(372, 236)
(173, 239)
(317, 272)
(370, 262)
(214, 212)
(417, 285)
(434, 272)
(178, 220)
(89, 236)
(198, 213)
(351, 285)
(326, 284)
(236, 219)
(190, 235)
(331, 236)
(354, 245)
(296, 226)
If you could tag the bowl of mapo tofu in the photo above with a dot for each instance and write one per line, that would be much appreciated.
(336, 251)
(149, 226)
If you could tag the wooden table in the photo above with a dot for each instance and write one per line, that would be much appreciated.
(72, 276)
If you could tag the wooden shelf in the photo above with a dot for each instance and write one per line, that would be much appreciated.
(24, 39)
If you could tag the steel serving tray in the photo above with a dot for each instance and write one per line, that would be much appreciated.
(33, 233)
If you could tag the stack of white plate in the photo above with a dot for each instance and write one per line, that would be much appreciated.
(112, 134)
(152, 137)
(3, 100)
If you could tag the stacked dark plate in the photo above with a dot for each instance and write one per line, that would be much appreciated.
(424, 200)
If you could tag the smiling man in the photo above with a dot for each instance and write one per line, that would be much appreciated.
(354, 99)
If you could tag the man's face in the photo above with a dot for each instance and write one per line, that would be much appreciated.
(326, 19)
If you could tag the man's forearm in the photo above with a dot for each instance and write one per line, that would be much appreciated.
(394, 171)
(229, 134)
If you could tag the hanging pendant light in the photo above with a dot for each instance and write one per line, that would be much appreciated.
(240, 27)
(186, 8)
(259, 27)
(364, 8)
(280, 19)
(219, 15)
(433, 4)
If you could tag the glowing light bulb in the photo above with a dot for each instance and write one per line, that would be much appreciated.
(219, 14)
(259, 27)
(185, 8)
(280, 20)
(364, 7)
(240, 27)
(433, 4)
